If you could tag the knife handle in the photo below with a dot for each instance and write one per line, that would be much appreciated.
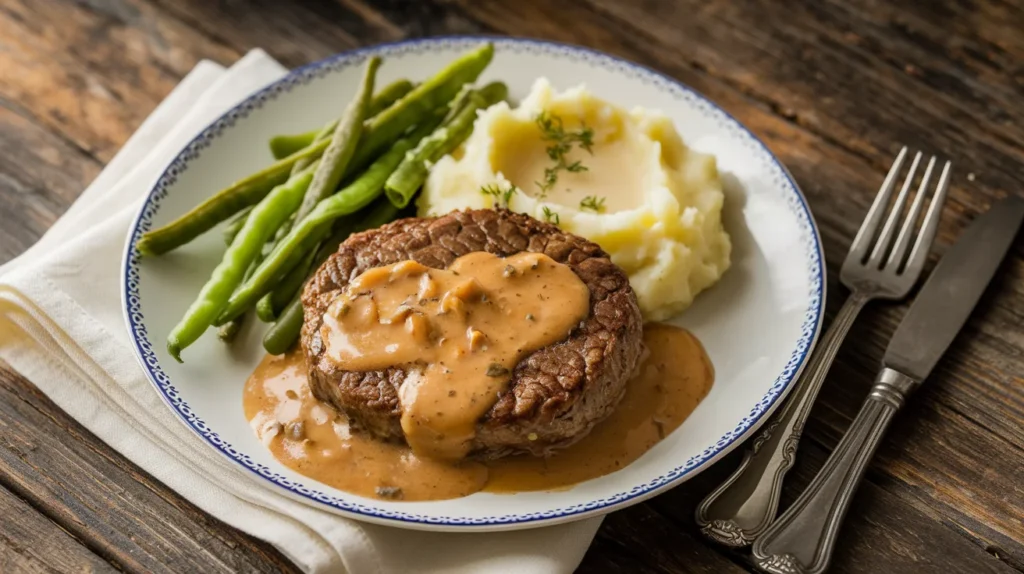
(802, 539)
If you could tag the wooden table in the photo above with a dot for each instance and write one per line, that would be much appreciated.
(832, 86)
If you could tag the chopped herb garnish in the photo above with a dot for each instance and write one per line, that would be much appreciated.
(501, 196)
(593, 203)
(496, 370)
(561, 141)
(551, 216)
(575, 166)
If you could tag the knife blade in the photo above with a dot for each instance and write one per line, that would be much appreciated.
(952, 290)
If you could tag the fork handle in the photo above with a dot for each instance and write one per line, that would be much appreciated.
(744, 505)
(802, 539)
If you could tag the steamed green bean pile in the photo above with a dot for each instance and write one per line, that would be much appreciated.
(356, 172)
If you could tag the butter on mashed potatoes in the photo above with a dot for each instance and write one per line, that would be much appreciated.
(652, 203)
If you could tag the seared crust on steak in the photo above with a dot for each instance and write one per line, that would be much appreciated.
(555, 395)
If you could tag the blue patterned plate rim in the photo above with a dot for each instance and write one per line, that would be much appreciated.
(143, 347)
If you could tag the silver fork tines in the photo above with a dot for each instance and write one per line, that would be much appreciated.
(876, 268)
(882, 243)
(888, 258)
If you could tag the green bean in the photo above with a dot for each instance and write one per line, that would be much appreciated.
(228, 331)
(285, 145)
(494, 92)
(379, 213)
(413, 171)
(235, 225)
(227, 202)
(286, 330)
(262, 222)
(344, 136)
(343, 144)
(283, 334)
(271, 304)
(381, 101)
(314, 228)
(419, 104)
(457, 103)
(379, 132)
(388, 95)
(265, 307)
(324, 134)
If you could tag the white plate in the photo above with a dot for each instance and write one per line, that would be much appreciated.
(758, 324)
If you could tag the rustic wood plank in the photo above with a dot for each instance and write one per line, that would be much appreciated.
(980, 40)
(108, 503)
(293, 33)
(887, 534)
(32, 544)
(93, 71)
(801, 61)
(639, 540)
(40, 175)
(299, 33)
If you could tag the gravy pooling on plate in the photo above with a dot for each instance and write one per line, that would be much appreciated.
(313, 439)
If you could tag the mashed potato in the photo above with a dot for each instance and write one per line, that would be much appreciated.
(648, 200)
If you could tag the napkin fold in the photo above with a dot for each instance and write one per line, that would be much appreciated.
(61, 327)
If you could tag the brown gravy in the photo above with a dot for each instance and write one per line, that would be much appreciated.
(459, 331)
(314, 440)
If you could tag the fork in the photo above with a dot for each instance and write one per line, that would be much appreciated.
(742, 507)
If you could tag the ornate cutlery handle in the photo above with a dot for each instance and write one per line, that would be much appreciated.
(744, 505)
(802, 539)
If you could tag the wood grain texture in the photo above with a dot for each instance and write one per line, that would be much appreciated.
(112, 506)
(31, 543)
(40, 175)
(639, 539)
(832, 87)
(92, 71)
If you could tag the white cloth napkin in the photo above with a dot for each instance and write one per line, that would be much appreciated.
(61, 327)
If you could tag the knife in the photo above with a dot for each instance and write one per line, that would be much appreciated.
(801, 540)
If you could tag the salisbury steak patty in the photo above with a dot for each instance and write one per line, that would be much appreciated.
(555, 395)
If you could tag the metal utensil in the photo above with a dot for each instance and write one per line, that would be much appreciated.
(802, 539)
(744, 505)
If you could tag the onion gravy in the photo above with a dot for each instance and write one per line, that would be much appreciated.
(459, 332)
(313, 439)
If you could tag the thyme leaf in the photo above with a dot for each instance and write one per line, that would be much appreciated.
(501, 196)
(593, 203)
(560, 143)
(550, 216)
